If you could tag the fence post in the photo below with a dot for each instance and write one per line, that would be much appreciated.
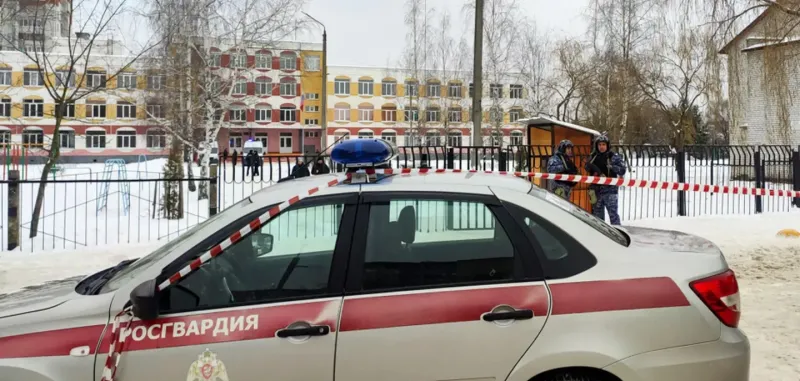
(502, 161)
(796, 175)
(759, 172)
(680, 167)
(12, 234)
(451, 158)
(212, 197)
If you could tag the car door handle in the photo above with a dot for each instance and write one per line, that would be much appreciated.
(314, 330)
(510, 315)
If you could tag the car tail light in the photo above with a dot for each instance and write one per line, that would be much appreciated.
(721, 294)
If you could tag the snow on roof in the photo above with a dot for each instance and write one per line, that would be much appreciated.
(544, 120)
(785, 41)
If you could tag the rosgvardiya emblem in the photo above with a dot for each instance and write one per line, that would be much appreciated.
(207, 368)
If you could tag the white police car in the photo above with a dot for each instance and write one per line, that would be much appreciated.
(396, 278)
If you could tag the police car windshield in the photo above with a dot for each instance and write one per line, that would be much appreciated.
(578, 212)
(133, 269)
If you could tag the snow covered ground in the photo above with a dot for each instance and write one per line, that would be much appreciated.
(768, 269)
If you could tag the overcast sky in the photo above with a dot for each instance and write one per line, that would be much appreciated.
(372, 33)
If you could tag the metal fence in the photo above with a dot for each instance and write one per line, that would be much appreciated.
(133, 209)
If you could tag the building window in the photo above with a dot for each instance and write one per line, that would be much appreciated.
(33, 108)
(434, 90)
(311, 63)
(495, 91)
(32, 77)
(341, 113)
(5, 138)
(238, 115)
(365, 87)
(155, 111)
(263, 61)
(5, 77)
(235, 142)
(263, 114)
(454, 90)
(215, 60)
(496, 139)
(514, 115)
(156, 139)
(311, 122)
(65, 78)
(33, 138)
(412, 114)
(454, 115)
(238, 61)
(240, 87)
(471, 90)
(155, 82)
(341, 87)
(66, 139)
(126, 81)
(515, 92)
(454, 139)
(365, 113)
(95, 139)
(263, 86)
(366, 135)
(311, 95)
(389, 115)
(96, 110)
(432, 138)
(288, 89)
(288, 114)
(312, 109)
(95, 79)
(432, 115)
(5, 107)
(389, 88)
(288, 61)
(286, 140)
(311, 134)
(412, 90)
(69, 110)
(126, 139)
(389, 136)
(339, 137)
(126, 111)
(516, 138)
(264, 139)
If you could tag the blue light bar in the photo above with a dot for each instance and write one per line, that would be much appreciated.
(363, 153)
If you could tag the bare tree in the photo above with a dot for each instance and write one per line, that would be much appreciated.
(415, 60)
(62, 39)
(450, 59)
(533, 64)
(571, 80)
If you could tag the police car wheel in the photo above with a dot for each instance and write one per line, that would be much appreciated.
(574, 376)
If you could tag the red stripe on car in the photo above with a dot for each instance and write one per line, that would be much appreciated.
(615, 295)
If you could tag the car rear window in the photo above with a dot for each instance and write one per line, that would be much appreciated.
(578, 212)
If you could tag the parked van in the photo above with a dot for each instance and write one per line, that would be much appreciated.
(253, 145)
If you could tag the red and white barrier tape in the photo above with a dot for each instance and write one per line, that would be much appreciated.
(116, 345)
(117, 340)
(600, 180)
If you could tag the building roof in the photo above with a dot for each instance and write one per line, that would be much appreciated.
(744, 31)
(771, 44)
(547, 121)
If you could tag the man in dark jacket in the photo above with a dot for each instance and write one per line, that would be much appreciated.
(606, 163)
(300, 169)
(562, 163)
(254, 162)
(320, 168)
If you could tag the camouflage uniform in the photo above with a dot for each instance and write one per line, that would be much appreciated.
(605, 197)
(561, 163)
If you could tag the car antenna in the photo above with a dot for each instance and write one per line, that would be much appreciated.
(326, 148)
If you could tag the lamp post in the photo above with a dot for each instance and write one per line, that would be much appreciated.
(324, 120)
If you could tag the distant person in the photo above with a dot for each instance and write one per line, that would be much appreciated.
(300, 169)
(225, 155)
(234, 157)
(606, 163)
(320, 168)
(255, 163)
(562, 163)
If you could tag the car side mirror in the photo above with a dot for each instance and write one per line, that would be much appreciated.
(144, 301)
(262, 242)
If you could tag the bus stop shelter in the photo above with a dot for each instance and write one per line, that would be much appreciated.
(544, 134)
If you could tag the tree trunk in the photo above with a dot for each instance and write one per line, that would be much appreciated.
(52, 159)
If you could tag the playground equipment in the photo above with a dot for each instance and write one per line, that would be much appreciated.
(14, 157)
(124, 186)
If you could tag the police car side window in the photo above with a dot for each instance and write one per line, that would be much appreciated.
(429, 243)
(289, 258)
(561, 255)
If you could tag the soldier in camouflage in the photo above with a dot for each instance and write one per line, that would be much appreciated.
(606, 163)
(562, 163)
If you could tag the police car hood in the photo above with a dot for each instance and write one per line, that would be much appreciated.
(38, 298)
(669, 240)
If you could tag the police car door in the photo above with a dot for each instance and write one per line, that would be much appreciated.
(267, 307)
(439, 288)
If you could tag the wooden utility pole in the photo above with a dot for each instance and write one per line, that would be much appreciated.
(477, 76)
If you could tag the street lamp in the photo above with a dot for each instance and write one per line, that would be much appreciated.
(324, 122)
